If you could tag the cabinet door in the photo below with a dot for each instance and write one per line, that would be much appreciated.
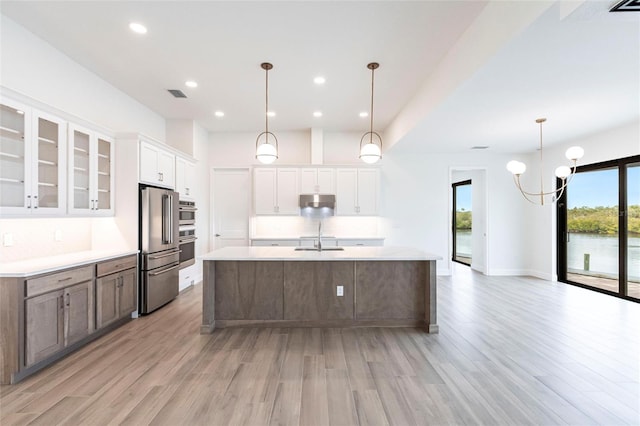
(185, 178)
(77, 313)
(287, 192)
(44, 326)
(149, 169)
(326, 181)
(49, 190)
(81, 199)
(128, 300)
(104, 178)
(368, 192)
(15, 158)
(264, 191)
(309, 181)
(167, 169)
(107, 299)
(346, 191)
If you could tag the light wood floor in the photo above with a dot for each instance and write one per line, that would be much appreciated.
(511, 351)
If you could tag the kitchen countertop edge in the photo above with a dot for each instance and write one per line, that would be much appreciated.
(289, 254)
(31, 267)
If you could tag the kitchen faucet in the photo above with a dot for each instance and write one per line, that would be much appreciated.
(319, 235)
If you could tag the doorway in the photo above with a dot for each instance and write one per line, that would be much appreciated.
(462, 222)
(599, 228)
(471, 237)
(231, 207)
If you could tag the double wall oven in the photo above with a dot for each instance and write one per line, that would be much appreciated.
(187, 233)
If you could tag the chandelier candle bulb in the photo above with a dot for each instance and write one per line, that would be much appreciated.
(574, 153)
(563, 172)
(516, 167)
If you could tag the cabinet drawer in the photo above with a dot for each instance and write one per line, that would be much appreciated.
(59, 280)
(115, 265)
(275, 243)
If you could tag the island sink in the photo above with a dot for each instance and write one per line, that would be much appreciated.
(318, 249)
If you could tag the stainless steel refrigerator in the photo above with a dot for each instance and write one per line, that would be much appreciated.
(159, 248)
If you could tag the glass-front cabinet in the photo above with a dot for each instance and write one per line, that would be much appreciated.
(32, 161)
(90, 172)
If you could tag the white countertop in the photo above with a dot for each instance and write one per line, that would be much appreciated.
(288, 253)
(43, 265)
(324, 237)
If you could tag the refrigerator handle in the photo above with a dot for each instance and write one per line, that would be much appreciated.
(165, 218)
(170, 219)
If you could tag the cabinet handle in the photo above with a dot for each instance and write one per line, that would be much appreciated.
(35, 201)
(61, 298)
(68, 299)
(187, 191)
(65, 279)
(29, 201)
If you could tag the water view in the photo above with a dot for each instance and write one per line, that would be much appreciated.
(603, 255)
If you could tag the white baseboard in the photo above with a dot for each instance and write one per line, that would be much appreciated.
(524, 273)
(444, 272)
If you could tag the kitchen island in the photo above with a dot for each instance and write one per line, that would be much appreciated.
(284, 287)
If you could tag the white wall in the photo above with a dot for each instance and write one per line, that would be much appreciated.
(181, 134)
(540, 234)
(417, 211)
(202, 194)
(239, 149)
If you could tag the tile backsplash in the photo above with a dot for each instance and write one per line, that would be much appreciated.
(296, 226)
(42, 237)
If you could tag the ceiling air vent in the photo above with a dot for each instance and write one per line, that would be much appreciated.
(177, 93)
(626, 6)
(480, 147)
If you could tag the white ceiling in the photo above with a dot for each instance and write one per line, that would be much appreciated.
(581, 71)
(221, 45)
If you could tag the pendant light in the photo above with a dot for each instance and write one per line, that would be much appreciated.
(266, 152)
(564, 173)
(371, 152)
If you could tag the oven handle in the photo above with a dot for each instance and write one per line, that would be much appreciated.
(187, 240)
(165, 255)
(187, 209)
(153, 274)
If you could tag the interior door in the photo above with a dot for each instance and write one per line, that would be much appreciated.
(231, 207)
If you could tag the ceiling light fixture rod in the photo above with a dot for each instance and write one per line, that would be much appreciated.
(266, 153)
(371, 152)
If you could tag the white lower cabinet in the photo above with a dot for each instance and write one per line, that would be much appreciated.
(275, 243)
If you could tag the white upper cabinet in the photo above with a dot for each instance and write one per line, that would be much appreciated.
(91, 172)
(316, 180)
(275, 191)
(157, 166)
(357, 191)
(185, 179)
(32, 161)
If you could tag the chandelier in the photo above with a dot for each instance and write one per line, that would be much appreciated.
(371, 152)
(564, 173)
(266, 152)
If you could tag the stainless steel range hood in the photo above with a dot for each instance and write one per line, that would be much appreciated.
(317, 201)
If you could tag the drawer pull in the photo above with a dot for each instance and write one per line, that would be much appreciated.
(163, 271)
(165, 255)
(65, 279)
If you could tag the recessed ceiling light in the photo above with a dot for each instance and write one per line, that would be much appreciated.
(18, 111)
(219, 113)
(271, 114)
(319, 80)
(138, 28)
(191, 83)
(317, 113)
(364, 114)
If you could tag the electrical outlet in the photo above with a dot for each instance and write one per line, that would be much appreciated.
(340, 290)
(7, 239)
(57, 235)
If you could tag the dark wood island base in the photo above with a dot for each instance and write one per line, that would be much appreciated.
(282, 293)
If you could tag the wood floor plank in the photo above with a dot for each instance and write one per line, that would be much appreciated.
(511, 350)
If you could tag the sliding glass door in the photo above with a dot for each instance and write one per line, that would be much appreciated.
(462, 222)
(599, 228)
